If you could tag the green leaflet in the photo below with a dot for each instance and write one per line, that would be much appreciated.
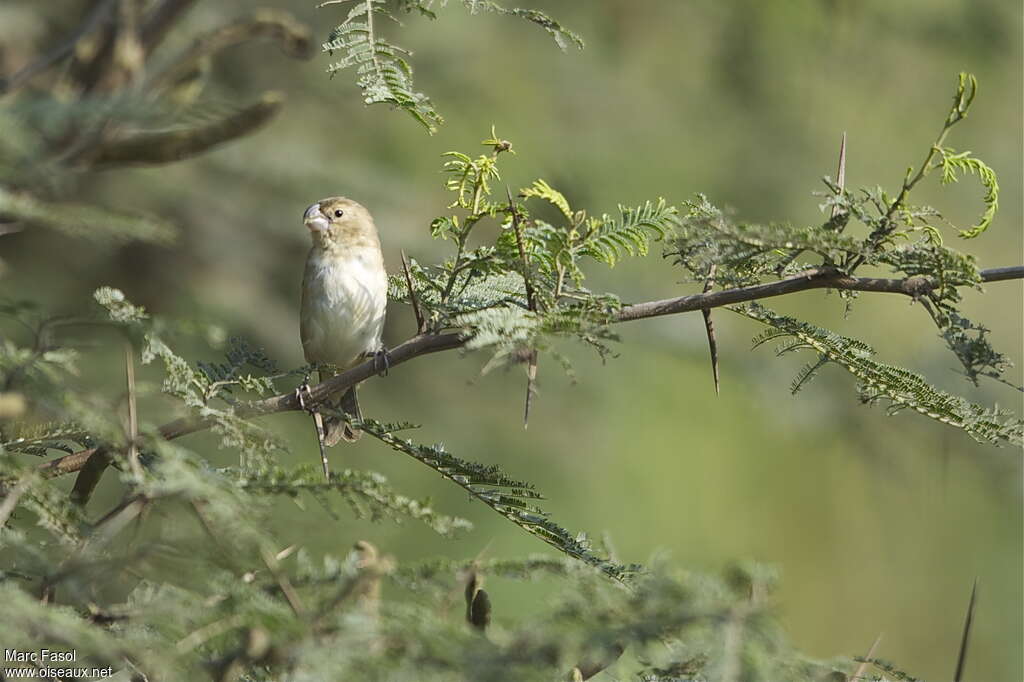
(383, 72)
(880, 382)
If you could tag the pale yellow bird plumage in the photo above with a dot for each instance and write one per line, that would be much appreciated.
(344, 297)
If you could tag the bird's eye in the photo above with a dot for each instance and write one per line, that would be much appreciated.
(338, 213)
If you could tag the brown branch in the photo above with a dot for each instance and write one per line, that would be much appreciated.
(159, 21)
(96, 16)
(167, 146)
(295, 39)
(818, 278)
(89, 477)
(68, 464)
(425, 344)
(859, 672)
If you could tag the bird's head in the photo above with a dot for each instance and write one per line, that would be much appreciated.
(340, 223)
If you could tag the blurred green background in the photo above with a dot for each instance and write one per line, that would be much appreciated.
(879, 524)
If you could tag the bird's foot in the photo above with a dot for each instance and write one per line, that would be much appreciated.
(381, 361)
(304, 395)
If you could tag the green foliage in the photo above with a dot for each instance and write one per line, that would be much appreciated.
(894, 234)
(561, 35)
(889, 669)
(511, 498)
(525, 289)
(83, 220)
(383, 72)
(184, 578)
(952, 164)
(366, 492)
(878, 382)
(207, 590)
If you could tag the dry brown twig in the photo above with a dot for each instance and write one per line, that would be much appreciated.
(426, 344)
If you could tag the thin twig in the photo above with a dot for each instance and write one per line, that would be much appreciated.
(531, 304)
(207, 632)
(290, 594)
(13, 495)
(961, 658)
(68, 464)
(966, 91)
(421, 322)
(709, 327)
(159, 21)
(168, 146)
(866, 661)
(426, 344)
(89, 477)
(295, 39)
(133, 417)
(840, 185)
(97, 15)
(840, 174)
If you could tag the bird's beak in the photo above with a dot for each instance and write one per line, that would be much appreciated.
(314, 219)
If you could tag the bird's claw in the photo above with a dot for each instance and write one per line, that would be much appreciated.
(304, 395)
(381, 361)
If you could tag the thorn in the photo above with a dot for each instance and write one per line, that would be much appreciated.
(531, 304)
(480, 611)
(859, 672)
(961, 658)
(531, 386)
(709, 327)
(318, 421)
(421, 324)
(841, 173)
(133, 416)
(478, 604)
(841, 184)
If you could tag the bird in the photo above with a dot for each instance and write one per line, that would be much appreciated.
(344, 302)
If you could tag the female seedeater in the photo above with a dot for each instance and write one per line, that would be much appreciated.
(344, 296)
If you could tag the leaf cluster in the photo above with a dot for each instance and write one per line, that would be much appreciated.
(525, 286)
(383, 72)
(864, 228)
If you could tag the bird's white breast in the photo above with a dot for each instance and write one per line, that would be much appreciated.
(343, 303)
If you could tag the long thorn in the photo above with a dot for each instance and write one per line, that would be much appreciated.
(421, 324)
(841, 184)
(709, 327)
(961, 658)
(133, 417)
(531, 388)
(318, 422)
(841, 173)
(531, 303)
(859, 672)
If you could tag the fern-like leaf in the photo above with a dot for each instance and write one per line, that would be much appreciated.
(607, 239)
(384, 74)
(512, 499)
(954, 164)
(900, 388)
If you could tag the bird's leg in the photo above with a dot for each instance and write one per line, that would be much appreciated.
(302, 394)
(381, 360)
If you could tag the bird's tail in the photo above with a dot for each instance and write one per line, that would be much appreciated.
(337, 429)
